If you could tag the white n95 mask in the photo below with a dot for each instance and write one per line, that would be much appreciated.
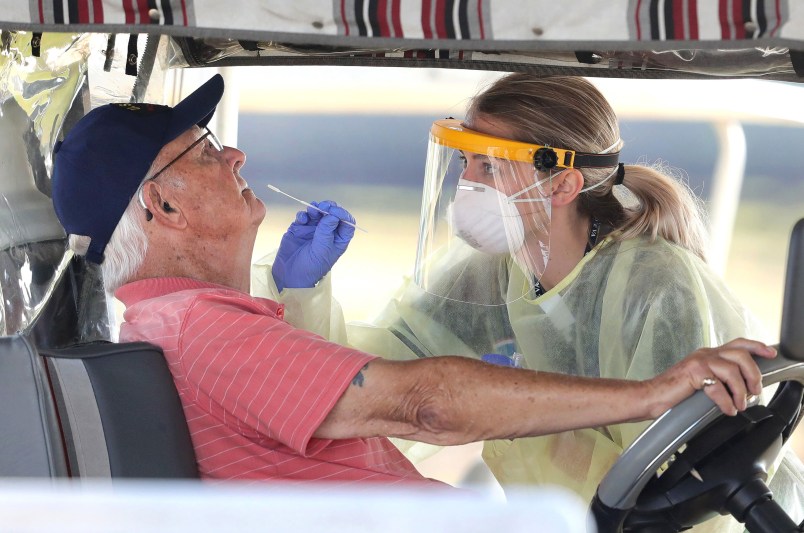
(486, 219)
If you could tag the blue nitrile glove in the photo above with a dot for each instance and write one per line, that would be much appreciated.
(497, 359)
(311, 245)
(503, 360)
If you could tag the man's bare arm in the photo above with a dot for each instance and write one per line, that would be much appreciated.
(454, 400)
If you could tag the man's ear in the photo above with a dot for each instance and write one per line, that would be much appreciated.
(163, 210)
(567, 185)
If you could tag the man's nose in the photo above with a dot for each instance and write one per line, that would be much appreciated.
(234, 157)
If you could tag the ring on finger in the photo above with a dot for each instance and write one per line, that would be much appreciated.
(706, 382)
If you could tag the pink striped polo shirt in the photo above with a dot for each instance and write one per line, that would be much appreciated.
(254, 389)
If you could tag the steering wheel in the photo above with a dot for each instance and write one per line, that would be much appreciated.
(694, 463)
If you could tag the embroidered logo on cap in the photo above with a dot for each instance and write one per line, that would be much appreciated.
(139, 108)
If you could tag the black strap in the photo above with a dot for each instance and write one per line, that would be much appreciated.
(797, 58)
(36, 44)
(618, 179)
(594, 234)
(588, 58)
(583, 160)
(132, 55)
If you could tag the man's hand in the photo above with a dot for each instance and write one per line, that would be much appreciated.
(727, 374)
(311, 245)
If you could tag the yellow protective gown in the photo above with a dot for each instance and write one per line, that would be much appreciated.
(630, 309)
(311, 309)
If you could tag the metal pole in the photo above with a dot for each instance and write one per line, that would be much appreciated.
(728, 182)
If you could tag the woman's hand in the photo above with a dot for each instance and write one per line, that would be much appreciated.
(312, 245)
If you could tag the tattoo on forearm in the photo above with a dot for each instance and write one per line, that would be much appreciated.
(359, 377)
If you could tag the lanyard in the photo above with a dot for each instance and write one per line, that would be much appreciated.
(594, 231)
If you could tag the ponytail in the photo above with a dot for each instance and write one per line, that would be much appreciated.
(668, 209)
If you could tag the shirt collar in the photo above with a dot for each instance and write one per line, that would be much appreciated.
(145, 289)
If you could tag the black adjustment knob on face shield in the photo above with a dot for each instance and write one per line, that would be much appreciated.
(545, 159)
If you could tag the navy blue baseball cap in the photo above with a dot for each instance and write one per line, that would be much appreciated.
(104, 158)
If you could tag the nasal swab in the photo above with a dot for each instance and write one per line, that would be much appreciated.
(314, 207)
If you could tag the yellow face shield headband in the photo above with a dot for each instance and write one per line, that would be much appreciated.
(449, 132)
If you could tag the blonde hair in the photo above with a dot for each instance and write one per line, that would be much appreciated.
(569, 112)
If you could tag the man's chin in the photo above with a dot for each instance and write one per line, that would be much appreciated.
(258, 208)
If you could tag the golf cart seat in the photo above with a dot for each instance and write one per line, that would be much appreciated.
(97, 410)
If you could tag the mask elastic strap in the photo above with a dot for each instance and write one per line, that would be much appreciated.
(619, 171)
(513, 198)
(610, 148)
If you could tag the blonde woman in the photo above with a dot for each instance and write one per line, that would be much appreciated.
(540, 248)
(590, 268)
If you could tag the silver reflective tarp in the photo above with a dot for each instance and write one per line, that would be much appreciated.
(47, 82)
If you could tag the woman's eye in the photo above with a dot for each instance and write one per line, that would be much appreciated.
(488, 168)
(462, 159)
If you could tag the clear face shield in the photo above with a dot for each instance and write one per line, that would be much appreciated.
(484, 235)
(485, 210)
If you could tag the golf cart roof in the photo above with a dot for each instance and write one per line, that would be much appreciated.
(626, 38)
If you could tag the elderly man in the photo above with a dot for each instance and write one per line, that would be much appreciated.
(161, 204)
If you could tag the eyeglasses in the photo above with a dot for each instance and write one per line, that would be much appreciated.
(213, 141)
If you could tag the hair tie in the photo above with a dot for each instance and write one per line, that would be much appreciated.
(618, 180)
